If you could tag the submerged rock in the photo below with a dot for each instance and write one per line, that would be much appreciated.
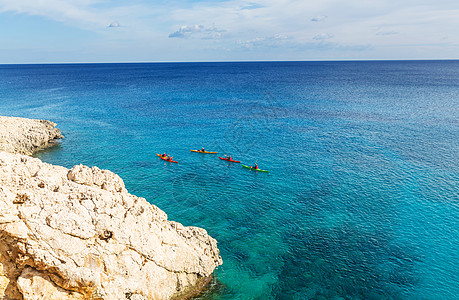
(78, 234)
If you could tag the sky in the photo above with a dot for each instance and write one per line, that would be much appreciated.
(58, 31)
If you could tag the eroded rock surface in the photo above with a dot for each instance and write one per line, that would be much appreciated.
(78, 234)
(25, 136)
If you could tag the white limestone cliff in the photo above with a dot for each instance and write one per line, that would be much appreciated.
(78, 234)
(25, 136)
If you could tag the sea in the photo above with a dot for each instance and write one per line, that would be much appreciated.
(362, 196)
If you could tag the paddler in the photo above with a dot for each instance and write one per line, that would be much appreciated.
(256, 166)
(202, 149)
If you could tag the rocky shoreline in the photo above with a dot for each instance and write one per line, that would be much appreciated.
(79, 234)
(26, 136)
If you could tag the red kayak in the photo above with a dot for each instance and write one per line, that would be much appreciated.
(231, 160)
(166, 158)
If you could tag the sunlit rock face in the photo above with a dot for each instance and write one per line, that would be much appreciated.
(79, 234)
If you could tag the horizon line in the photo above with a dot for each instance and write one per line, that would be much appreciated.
(231, 61)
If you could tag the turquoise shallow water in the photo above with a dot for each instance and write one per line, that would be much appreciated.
(361, 201)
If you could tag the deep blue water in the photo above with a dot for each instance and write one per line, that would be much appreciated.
(362, 198)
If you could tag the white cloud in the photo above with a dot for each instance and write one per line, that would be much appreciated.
(186, 31)
(114, 24)
(270, 41)
(322, 36)
(252, 6)
(75, 13)
(319, 18)
(384, 33)
(198, 31)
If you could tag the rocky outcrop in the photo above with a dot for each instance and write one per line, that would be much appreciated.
(78, 234)
(25, 136)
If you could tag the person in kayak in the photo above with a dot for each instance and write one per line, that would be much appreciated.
(171, 158)
(164, 154)
(256, 166)
(202, 149)
(230, 158)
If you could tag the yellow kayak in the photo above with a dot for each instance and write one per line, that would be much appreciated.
(200, 151)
